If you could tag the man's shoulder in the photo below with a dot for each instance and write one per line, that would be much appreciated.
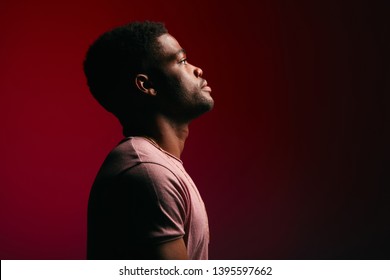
(137, 162)
(138, 150)
(131, 152)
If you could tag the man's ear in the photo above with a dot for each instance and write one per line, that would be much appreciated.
(145, 85)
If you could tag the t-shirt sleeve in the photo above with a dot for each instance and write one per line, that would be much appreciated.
(158, 203)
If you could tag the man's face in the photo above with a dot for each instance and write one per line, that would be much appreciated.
(181, 91)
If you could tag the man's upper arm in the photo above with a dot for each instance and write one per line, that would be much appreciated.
(158, 211)
(171, 250)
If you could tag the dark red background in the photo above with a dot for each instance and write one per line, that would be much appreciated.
(293, 162)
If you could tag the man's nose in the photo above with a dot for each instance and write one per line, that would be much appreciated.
(198, 72)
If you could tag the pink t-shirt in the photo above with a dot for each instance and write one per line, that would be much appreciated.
(143, 196)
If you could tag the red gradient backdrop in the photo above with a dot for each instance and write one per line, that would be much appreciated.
(293, 162)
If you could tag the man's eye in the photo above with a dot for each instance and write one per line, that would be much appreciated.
(183, 61)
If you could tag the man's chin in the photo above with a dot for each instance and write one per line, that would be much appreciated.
(206, 107)
(207, 101)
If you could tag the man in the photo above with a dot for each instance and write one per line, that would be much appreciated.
(143, 204)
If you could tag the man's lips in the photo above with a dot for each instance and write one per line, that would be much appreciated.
(205, 87)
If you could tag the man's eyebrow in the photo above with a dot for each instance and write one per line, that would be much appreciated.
(181, 51)
(176, 55)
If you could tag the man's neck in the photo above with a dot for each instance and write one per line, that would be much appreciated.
(168, 135)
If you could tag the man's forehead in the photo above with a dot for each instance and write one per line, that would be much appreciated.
(169, 46)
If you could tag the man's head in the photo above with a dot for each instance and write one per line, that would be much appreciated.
(139, 68)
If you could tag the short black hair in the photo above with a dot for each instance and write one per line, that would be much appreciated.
(114, 59)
